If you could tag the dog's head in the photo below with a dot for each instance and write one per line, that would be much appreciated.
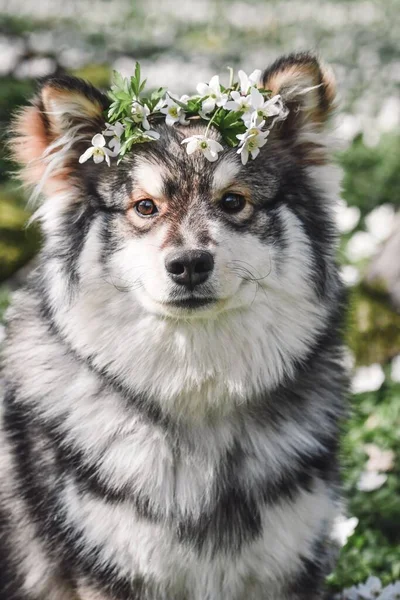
(184, 236)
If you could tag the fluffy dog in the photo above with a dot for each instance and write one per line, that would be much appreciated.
(173, 370)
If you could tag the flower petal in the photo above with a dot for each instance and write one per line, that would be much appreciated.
(244, 82)
(232, 105)
(203, 89)
(98, 158)
(215, 146)
(214, 84)
(257, 99)
(86, 155)
(153, 134)
(211, 156)
(244, 155)
(255, 77)
(170, 120)
(98, 140)
(192, 146)
(208, 105)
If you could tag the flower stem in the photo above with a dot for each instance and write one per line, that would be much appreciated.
(212, 119)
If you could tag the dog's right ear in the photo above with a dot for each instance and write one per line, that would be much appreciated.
(66, 112)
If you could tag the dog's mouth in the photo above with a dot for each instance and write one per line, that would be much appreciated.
(190, 302)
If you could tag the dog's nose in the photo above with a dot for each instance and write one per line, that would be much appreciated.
(189, 268)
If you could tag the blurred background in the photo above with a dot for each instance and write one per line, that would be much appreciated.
(181, 43)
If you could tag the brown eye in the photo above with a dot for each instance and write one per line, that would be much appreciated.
(146, 208)
(232, 203)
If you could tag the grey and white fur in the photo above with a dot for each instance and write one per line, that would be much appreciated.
(174, 381)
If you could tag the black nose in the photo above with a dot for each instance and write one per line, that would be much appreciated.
(189, 268)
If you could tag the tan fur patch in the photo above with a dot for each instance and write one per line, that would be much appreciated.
(59, 103)
(29, 142)
(292, 80)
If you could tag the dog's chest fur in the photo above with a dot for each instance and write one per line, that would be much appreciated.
(219, 507)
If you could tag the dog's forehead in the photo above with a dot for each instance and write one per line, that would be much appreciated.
(166, 169)
(184, 173)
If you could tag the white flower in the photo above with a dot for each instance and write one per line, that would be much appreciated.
(395, 371)
(140, 113)
(391, 592)
(201, 143)
(370, 481)
(343, 529)
(214, 95)
(379, 460)
(361, 245)
(380, 221)
(350, 275)
(246, 82)
(370, 589)
(174, 113)
(264, 108)
(115, 131)
(251, 142)
(367, 379)
(240, 103)
(153, 135)
(97, 150)
(347, 217)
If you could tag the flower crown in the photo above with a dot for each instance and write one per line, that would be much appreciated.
(243, 113)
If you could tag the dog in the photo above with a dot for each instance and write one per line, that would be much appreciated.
(174, 372)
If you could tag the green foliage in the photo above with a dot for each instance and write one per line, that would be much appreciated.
(373, 328)
(372, 175)
(373, 548)
(17, 244)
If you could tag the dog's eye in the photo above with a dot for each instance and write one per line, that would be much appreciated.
(233, 203)
(146, 208)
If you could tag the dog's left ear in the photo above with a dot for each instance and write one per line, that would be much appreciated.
(47, 136)
(307, 88)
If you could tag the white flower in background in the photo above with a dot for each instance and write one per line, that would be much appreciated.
(251, 142)
(264, 108)
(367, 379)
(246, 82)
(201, 143)
(350, 275)
(370, 589)
(395, 371)
(139, 113)
(370, 481)
(214, 95)
(348, 594)
(379, 460)
(379, 222)
(97, 151)
(347, 217)
(114, 131)
(174, 113)
(360, 246)
(343, 529)
(240, 103)
(391, 592)
(2, 333)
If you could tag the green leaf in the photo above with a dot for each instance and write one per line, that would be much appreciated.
(156, 95)
(193, 105)
(178, 102)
